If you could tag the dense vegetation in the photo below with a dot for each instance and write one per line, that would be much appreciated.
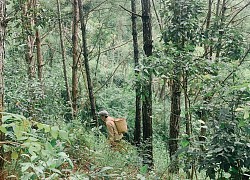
(177, 70)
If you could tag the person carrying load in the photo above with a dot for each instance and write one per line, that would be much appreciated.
(115, 127)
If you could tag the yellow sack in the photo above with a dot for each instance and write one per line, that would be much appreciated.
(121, 125)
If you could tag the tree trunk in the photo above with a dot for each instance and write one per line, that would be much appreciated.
(208, 48)
(63, 56)
(86, 63)
(174, 125)
(147, 86)
(28, 22)
(75, 56)
(137, 132)
(39, 58)
(39, 55)
(187, 103)
(2, 38)
(175, 113)
(220, 28)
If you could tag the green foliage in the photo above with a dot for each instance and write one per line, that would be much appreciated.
(37, 150)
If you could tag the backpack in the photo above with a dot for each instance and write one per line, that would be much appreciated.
(121, 125)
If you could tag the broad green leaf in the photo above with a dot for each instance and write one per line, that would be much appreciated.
(39, 169)
(3, 129)
(27, 144)
(6, 118)
(46, 128)
(54, 131)
(51, 163)
(63, 135)
(63, 155)
(14, 155)
(184, 143)
(246, 112)
(32, 139)
(144, 169)
(21, 138)
(40, 126)
(48, 147)
(242, 123)
(33, 157)
(25, 166)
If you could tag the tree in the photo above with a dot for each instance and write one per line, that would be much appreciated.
(180, 37)
(147, 85)
(2, 39)
(38, 43)
(137, 131)
(174, 126)
(75, 28)
(63, 56)
(86, 63)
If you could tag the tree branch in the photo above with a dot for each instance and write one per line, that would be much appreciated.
(237, 13)
(241, 61)
(130, 11)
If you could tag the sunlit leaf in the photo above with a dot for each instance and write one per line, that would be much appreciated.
(63, 135)
(14, 155)
(54, 131)
(46, 128)
(3, 129)
(246, 112)
(40, 126)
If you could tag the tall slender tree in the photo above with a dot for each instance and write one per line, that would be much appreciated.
(137, 132)
(38, 44)
(28, 35)
(28, 22)
(63, 55)
(2, 39)
(147, 85)
(86, 63)
(75, 28)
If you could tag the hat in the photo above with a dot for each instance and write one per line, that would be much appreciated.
(103, 113)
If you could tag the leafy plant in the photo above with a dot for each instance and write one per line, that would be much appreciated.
(36, 149)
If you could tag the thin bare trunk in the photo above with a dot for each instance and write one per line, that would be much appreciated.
(208, 47)
(2, 39)
(63, 56)
(28, 24)
(147, 86)
(187, 114)
(137, 132)
(39, 58)
(29, 41)
(220, 28)
(86, 63)
(75, 56)
(38, 42)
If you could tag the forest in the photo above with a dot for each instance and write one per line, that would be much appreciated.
(178, 71)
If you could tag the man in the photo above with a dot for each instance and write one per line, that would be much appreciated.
(113, 134)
